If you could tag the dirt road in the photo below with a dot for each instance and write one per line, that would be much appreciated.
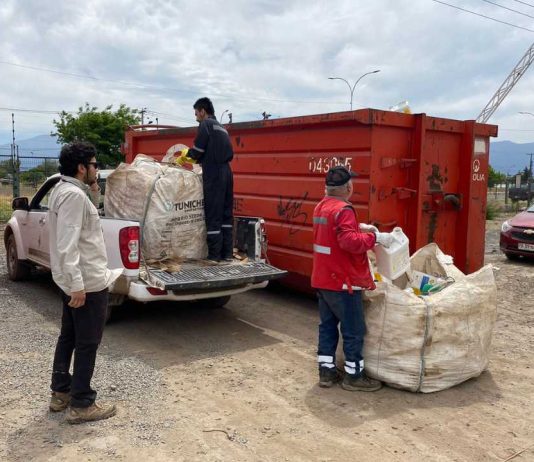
(239, 384)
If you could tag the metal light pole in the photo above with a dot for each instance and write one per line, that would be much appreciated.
(351, 88)
(222, 115)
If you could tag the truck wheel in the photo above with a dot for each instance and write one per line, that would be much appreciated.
(17, 270)
(213, 303)
(114, 301)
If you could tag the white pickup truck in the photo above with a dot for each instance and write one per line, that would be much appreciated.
(26, 239)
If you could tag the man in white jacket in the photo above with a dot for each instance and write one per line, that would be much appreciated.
(79, 267)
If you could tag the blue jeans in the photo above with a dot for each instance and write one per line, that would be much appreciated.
(345, 309)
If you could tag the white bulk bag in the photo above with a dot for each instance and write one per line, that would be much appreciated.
(430, 343)
(167, 200)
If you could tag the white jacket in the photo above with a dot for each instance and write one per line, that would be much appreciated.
(77, 251)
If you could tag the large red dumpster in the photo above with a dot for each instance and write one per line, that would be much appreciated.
(425, 174)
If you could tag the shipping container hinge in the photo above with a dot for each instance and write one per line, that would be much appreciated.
(387, 162)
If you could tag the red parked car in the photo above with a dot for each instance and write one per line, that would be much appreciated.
(517, 235)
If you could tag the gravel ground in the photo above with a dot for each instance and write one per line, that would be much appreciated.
(239, 384)
(27, 340)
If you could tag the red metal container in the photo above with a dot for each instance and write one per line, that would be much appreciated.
(425, 174)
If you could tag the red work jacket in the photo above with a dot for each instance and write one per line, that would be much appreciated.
(339, 248)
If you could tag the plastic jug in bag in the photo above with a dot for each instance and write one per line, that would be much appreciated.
(394, 260)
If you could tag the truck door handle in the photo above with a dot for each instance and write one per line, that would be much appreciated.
(42, 221)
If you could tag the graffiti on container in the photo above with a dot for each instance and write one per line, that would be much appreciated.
(435, 180)
(238, 204)
(291, 212)
(323, 164)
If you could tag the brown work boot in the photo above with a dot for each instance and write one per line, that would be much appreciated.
(59, 401)
(94, 412)
(360, 383)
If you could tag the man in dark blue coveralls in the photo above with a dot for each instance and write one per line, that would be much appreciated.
(213, 150)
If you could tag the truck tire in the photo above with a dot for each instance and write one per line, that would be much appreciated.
(114, 301)
(213, 303)
(17, 270)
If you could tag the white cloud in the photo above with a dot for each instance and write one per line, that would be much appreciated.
(257, 55)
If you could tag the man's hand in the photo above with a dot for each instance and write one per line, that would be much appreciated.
(94, 187)
(365, 228)
(384, 239)
(184, 158)
(77, 299)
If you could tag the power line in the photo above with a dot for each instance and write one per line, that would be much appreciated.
(36, 111)
(483, 16)
(50, 112)
(524, 3)
(162, 88)
(509, 9)
(168, 116)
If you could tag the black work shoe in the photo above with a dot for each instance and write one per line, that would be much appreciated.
(328, 376)
(360, 383)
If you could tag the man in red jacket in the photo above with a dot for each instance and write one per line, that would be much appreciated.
(340, 273)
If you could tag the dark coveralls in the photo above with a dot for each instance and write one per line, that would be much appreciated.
(213, 150)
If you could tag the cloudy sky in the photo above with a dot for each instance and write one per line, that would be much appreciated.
(252, 56)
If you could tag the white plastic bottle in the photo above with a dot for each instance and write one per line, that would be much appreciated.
(394, 260)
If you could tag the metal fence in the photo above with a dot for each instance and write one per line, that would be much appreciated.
(22, 176)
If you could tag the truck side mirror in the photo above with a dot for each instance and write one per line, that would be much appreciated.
(20, 203)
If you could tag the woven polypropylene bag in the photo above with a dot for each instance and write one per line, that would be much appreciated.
(167, 200)
(430, 343)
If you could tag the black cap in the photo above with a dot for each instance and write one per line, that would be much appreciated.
(338, 176)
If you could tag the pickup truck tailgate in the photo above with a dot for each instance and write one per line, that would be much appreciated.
(192, 276)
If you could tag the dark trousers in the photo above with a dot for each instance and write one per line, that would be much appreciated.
(81, 333)
(347, 310)
(218, 185)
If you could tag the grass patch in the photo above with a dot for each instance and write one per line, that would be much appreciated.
(492, 210)
(5, 208)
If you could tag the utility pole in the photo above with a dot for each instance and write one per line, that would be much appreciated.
(529, 194)
(15, 160)
(142, 112)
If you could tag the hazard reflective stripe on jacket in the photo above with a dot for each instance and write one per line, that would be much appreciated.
(339, 248)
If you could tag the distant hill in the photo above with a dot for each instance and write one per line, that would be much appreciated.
(33, 150)
(508, 157)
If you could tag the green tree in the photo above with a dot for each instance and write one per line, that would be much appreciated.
(6, 168)
(105, 129)
(495, 177)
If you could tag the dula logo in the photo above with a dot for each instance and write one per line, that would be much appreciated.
(477, 176)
